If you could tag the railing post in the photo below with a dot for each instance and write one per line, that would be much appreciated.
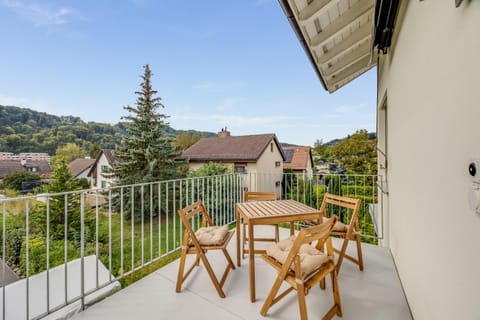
(27, 260)
(47, 253)
(82, 248)
(4, 243)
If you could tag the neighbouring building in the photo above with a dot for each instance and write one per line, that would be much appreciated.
(299, 159)
(6, 156)
(35, 156)
(101, 165)
(80, 168)
(428, 92)
(39, 167)
(259, 156)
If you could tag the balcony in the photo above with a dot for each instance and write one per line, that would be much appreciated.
(75, 248)
(375, 293)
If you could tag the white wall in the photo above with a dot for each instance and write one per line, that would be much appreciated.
(102, 161)
(267, 172)
(432, 81)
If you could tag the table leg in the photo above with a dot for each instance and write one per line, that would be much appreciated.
(251, 261)
(237, 215)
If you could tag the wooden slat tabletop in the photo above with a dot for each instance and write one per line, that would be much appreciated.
(258, 212)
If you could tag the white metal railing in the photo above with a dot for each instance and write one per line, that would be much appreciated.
(72, 246)
(309, 189)
(125, 228)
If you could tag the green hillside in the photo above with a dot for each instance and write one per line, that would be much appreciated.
(26, 130)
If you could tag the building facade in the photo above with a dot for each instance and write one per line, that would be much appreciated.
(259, 157)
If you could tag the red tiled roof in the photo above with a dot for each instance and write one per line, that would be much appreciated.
(230, 148)
(299, 157)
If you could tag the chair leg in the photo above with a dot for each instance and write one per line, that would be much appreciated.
(229, 259)
(244, 236)
(341, 255)
(181, 270)
(212, 275)
(271, 296)
(336, 292)
(359, 251)
(322, 284)
(301, 301)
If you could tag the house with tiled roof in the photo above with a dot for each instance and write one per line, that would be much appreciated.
(9, 166)
(299, 159)
(258, 156)
(102, 164)
(80, 168)
(40, 167)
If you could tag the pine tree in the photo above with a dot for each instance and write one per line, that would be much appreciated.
(146, 153)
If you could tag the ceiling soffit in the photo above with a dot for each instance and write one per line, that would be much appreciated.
(336, 35)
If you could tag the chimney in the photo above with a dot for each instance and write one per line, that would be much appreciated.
(224, 133)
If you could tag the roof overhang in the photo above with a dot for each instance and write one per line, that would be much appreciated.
(337, 36)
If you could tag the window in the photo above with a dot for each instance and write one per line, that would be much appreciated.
(271, 146)
(104, 184)
(277, 164)
(240, 168)
(104, 168)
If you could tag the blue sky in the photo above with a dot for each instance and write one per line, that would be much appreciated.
(216, 63)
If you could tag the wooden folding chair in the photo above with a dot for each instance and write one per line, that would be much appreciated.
(347, 232)
(258, 196)
(208, 237)
(302, 265)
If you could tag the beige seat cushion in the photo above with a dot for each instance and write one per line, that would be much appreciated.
(338, 227)
(211, 235)
(310, 258)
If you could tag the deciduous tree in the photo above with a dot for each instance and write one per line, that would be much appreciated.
(357, 153)
(69, 152)
(184, 140)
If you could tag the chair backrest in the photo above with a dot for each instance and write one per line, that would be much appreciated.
(343, 202)
(189, 212)
(259, 196)
(319, 233)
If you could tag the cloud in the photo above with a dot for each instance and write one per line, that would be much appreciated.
(39, 13)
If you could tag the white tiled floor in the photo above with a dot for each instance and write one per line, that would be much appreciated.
(375, 293)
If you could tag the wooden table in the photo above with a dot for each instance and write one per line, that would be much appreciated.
(264, 213)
